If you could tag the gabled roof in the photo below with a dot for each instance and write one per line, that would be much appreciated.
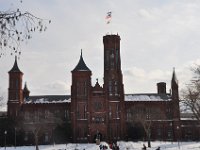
(48, 99)
(15, 67)
(81, 66)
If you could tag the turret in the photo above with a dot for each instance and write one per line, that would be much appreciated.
(26, 92)
(15, 92)
(80, 94)
(175, 106)
(174, 86)
(81, 79)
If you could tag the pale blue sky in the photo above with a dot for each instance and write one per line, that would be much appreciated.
(156, 36)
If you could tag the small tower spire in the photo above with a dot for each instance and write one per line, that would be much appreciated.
(174, 86)
(26, 92)
(15, 67)
(25, 86)
(174, 78)
(81, 66)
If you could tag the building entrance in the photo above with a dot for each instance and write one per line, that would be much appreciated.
(98, 136)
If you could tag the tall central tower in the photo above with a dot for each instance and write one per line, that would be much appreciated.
(113, 86)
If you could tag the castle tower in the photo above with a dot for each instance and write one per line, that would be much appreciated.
(15, 92)
(113, 86)
(175, 106)
(80, 94)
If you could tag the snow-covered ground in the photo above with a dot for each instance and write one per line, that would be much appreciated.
(122, 145)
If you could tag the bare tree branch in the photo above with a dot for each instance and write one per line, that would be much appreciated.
(16, 27)
(191, 95)
(36, 122)
(145, 116)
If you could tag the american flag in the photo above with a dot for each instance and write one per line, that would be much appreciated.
(108, 17)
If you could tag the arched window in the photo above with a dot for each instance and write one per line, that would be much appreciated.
(110, 88)
(116, 88)
(16, 83)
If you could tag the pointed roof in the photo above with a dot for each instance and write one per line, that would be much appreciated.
(97, 83)
(81, 66)
(174, 78)
(15, 67)
(97, 88)
(25, 88)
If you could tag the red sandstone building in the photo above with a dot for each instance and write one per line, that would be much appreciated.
(102, 112)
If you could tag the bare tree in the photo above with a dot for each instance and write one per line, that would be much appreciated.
(1, 101)
(37, 122)
(145, 119)
(17, 26)
(142, 116)
(191, 95)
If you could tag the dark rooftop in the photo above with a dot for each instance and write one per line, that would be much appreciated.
(48, 99)
(81, 66)
(15, 67)
(147, 97)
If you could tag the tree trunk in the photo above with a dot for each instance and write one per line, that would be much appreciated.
(149, 140)
(36, 143)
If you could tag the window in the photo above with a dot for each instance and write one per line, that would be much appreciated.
(169, 134)
(85, 110)
(117, 57)
(78, 88)
(85, 88)
(46, 137)
(85, 132)
(16, 112)
(78, 113)
(98, 106)
(17, 96)
(159, 133)
(110, 112)
(116, 88)
(110, 87)
(11, 83)
(26, 136)
(67, 114)
(112, 60)
(147, 116)
(107, 59)
(26, 116)
(117, 130)
(16, 83)
(117, 111)
(128, 115)
(82, 88)
(36, 116)
(46, 114)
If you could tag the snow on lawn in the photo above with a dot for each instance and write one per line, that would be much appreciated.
(122, 145)
(162, 145)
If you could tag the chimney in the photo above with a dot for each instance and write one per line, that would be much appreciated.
(161, 86)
